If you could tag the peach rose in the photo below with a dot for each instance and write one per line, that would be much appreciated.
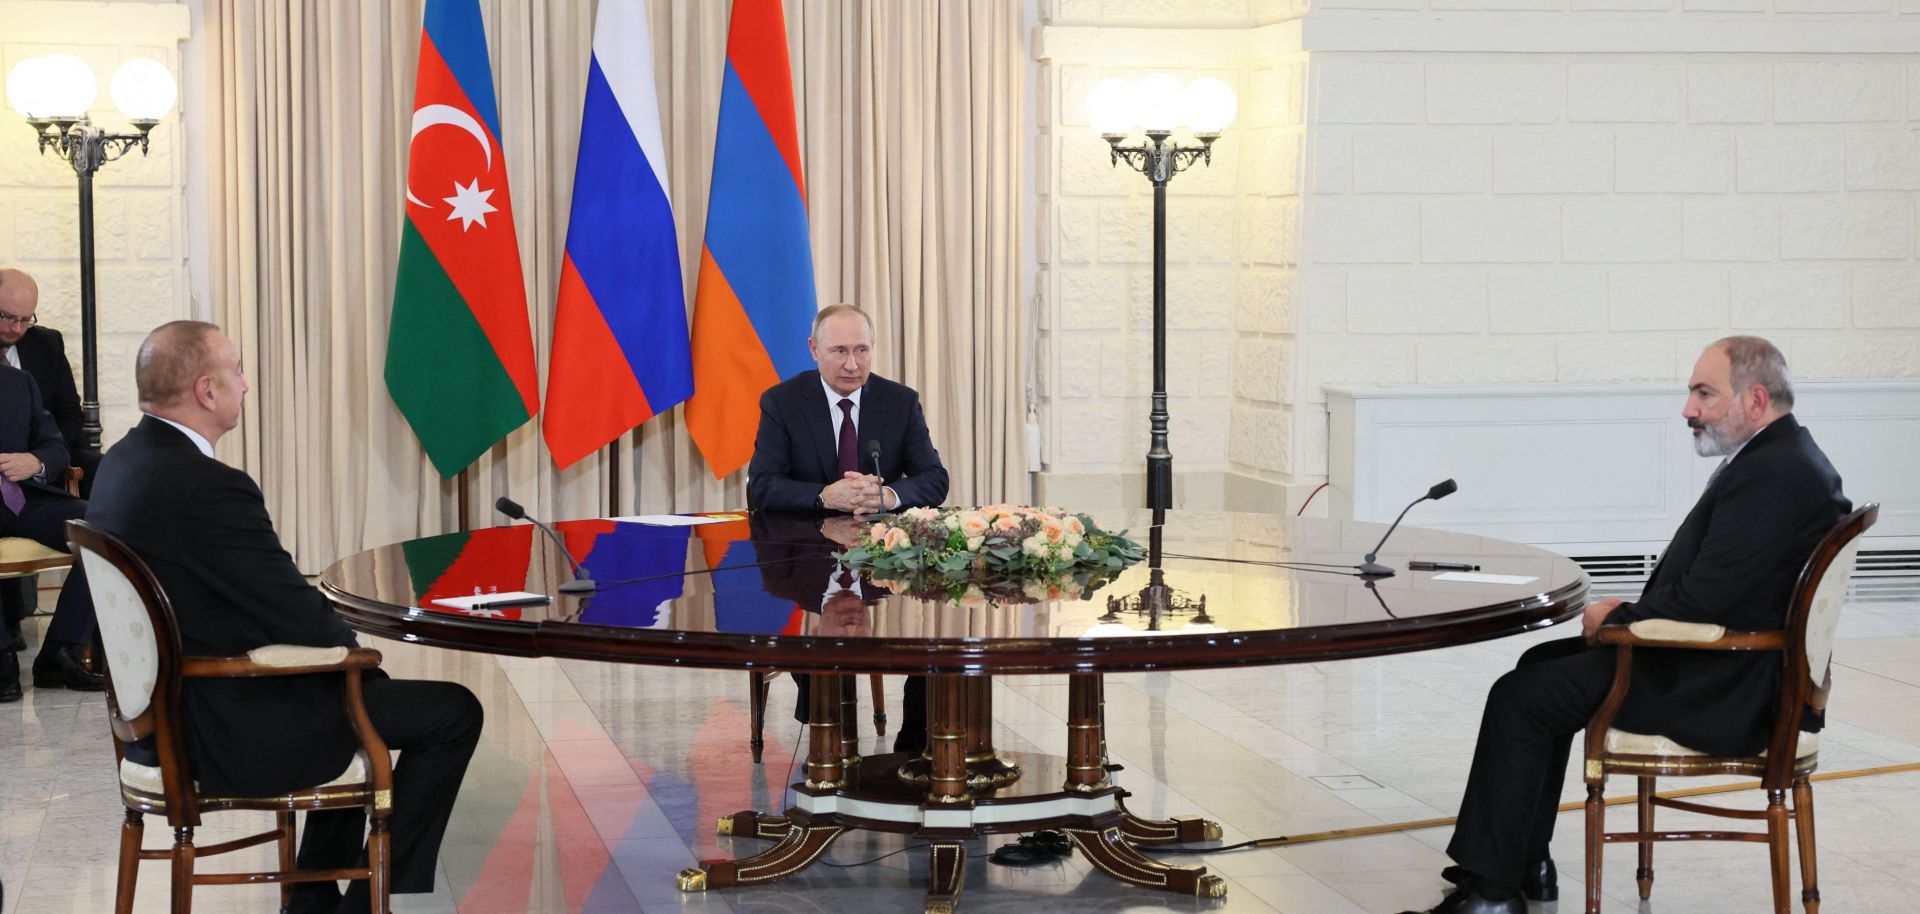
(878, 531)
(974, 524)
(1074, 525)
(1006, 522)
(897, 539)
(1052, 530)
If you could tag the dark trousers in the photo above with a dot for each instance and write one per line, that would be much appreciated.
(435, 726)
(44, 520)
(912, 735)
(1519, 764)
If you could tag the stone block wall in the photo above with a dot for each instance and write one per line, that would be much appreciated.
(1487, 191)
(140, 235)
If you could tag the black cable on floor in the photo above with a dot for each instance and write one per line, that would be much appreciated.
(910, 847)
(1257, 842)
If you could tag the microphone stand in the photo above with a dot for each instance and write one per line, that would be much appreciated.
(1372, 568)
(581, 583)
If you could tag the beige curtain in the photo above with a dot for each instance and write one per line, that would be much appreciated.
(910, 112)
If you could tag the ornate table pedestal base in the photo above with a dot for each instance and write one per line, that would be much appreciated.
(961, 789)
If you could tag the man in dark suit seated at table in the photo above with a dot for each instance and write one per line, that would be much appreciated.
(203, 528)
(1733, 562)
(33, 504)
(813, 449)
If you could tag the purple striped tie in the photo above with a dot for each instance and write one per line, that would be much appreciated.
(14, 496)
(849, 448)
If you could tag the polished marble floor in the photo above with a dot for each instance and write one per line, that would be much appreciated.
(595, 783)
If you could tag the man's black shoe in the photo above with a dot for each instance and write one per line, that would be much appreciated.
(59, 667)
(1541, 882)
(1468, 901)
(9, 677)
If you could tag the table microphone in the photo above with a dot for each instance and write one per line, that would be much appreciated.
(581, 583)
(873, 454)
(1371, 567)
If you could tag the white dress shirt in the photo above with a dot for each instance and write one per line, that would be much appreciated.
(199, 440)
(13, 356)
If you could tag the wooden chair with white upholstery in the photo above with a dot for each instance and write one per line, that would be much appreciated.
(1805, 647)
(145, 669)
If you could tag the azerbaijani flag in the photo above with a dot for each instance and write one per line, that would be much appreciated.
(754, 302)
(620, 351)
(460, 349)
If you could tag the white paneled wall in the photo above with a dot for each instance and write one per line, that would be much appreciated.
(1442, 192)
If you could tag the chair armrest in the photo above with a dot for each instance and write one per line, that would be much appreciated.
(1666, 633)
(282, 660)
(74, 475)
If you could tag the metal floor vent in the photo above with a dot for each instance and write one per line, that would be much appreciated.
(1881, 576)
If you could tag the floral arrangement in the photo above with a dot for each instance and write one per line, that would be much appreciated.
(1005, 541)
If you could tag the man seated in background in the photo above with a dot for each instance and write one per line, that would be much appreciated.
(203, 528)
(33, 504)
(1733, 562)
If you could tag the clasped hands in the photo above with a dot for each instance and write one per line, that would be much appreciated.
(20, 467)
(1595, 616)
(856, 493)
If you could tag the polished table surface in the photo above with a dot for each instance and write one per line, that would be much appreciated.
(764, 592)
(754, 593)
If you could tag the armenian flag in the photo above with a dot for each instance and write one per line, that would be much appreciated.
(460, 360)
(754, 299)
(620, 351)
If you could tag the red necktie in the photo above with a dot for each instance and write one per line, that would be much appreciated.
(849, 436)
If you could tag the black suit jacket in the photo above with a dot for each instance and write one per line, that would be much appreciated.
(1733, 562)
(27, 428)
(43, 354)
(202, 526)
(795, 453)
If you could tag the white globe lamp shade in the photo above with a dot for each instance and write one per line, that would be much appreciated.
(143, 89)
(23, 82)
(1209, 105)
(54, 86)
(1110, 106)
(1157, 102)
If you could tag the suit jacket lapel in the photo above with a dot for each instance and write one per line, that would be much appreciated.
(819, 425)
(1776, 430)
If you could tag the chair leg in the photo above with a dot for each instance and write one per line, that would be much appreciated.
(1777, 844)
(879, 706)
(757, 711)
(130, 833)
(1803, 827)
(1596, 843)
(380, 866)
(182, 870)
(1644, 875)
(283, 824)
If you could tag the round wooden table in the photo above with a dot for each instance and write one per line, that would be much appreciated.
(764, 592)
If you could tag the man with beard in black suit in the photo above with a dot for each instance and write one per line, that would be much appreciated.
(1733, 562)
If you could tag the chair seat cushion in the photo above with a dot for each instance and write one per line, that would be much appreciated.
(146, 778)
(1623, 743)
(20, 549)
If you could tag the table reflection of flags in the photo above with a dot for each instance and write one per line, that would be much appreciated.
(461, 564)
(654, 559)
(740, 604)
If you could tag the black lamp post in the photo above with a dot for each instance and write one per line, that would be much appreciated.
(1115, 106)
(63, 85)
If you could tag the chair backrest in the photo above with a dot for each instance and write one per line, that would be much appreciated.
(1813, 616)
(143, 651)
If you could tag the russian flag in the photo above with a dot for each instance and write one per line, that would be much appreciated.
(620, 351)
(754, 302)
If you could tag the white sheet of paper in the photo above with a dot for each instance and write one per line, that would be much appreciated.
(1472, 577)
(493, 599)
(672, 520)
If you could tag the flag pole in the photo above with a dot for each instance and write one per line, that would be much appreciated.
(613, 476)
(460, 496)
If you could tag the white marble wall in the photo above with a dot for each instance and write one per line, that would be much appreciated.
(140, 235)
(1485, 191)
